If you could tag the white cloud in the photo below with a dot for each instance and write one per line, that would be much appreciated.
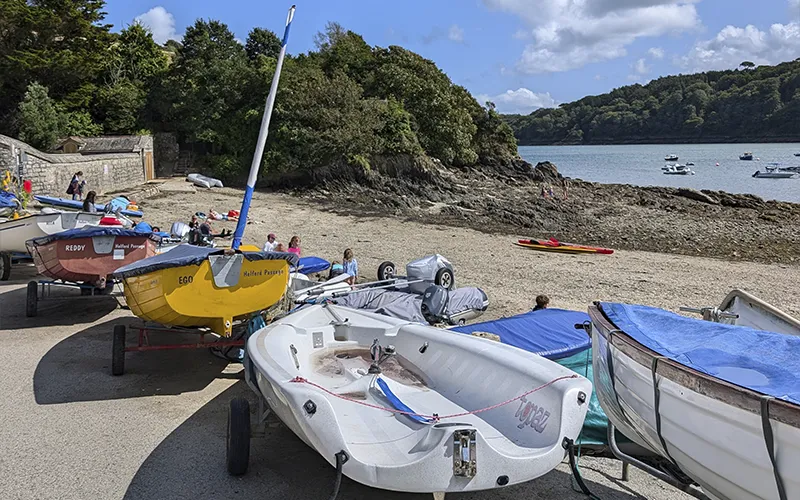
(794, 9)
(524, 34)
(160, 22)
(568, 34)
(455, 34)
(641, 67)
(522, 101)
(658, 52)
(732, 45)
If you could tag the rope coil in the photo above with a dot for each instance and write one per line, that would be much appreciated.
(435, 417)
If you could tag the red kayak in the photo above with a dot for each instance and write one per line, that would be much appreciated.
(553, 245)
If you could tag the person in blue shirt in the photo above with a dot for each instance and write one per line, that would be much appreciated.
(350, 265)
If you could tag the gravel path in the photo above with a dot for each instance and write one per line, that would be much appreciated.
(72, 431)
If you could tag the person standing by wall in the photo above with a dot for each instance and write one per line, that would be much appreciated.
(76, 185)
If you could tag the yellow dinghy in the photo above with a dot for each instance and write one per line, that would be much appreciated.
(192, 286)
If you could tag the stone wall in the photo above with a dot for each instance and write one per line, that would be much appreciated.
(51, 173)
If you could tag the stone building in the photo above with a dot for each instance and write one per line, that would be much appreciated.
(108, 163)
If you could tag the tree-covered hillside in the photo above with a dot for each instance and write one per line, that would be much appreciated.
(63, 72)
(747, 104)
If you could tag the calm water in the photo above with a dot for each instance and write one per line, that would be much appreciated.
(641, 165)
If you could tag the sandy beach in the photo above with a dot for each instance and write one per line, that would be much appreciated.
(72, 431)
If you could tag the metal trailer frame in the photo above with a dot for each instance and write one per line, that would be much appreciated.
(41, 290)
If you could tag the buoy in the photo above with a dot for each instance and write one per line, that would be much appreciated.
(718, 164)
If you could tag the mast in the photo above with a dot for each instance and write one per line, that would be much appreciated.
(262, 139)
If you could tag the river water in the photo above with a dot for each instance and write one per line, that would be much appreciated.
(641, 165)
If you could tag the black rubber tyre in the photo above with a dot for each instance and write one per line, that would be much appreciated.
(32, 302)
(237, 443)
(118, 351)
(445, 278)
(386, 271)
(5, 266)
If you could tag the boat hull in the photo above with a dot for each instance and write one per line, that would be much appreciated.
(755, 313)
(560, 247)
(14, 233)
(91, 259)
(454, 373)
(711, 429)
(188, 295)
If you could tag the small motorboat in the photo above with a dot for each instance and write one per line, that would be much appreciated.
(774, 171)
(15, 232)
(744, 309)
(407, 407)
(671, 158)
(676, 169)
(720, 403)
(553, 245)
(120, 202)
(192, 286)
(797, 154)
(746, 156)
(690, 164)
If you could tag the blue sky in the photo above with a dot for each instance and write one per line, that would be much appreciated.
(521, 54)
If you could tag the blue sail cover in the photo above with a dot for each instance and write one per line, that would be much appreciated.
(186, 255)
(88, 232)
(311, 265)
(8, 200)
(549, 333)
(78, 205)
(761, 361)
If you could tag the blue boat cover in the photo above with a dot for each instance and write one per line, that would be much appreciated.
(311, 265)
(187, 255)
(8, 200)
(88, 232)
(758, 360)
(143, 227)
(549, 333)
(77, 205)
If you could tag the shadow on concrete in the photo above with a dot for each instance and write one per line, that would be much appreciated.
(79, 368)
(65, 307)
(190, 463)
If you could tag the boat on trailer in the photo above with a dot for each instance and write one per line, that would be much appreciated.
(15, 232)
(720, 403)
(407, 407)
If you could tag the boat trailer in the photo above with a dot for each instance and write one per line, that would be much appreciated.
(42, 290)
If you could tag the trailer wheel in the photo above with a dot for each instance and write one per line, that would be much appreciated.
(444, 277)
(5, 266)
(118, 350)
(238, 438)
(386, 271)
(32, 302)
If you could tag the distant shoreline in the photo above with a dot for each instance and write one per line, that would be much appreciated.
(675, 141)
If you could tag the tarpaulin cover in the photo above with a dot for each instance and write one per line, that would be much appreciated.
(549, 333)
(78, 205)
(311, 265)
(595, 427)
(186, 255)
(761, 361)
(8, 200)
(406, 306)
(90, 231)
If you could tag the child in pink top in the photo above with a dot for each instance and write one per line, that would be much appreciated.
(294, 245)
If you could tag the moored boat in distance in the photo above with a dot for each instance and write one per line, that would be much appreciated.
(775, 171)
(676, 169)
(746, 156)
(408, 407)
(681, 387)
(671, 158)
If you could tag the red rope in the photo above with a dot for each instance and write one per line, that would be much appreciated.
(433, 417)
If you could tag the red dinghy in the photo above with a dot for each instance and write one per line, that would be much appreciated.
(553, 245)
(90, 255)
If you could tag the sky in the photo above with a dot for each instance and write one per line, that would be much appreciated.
(520, 54)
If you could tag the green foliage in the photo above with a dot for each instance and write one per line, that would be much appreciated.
(80, 123)
(41, 122)
(753, 103)
(261, 42)
(118, 107)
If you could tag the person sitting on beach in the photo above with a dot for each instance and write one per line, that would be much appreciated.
(279, 247)
(542, 301)
(270, 245)
(88, 203)
(350, 265)
(336, 269)
(294, 245)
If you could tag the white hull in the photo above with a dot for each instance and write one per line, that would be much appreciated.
(454, 374)
(774, 175)
(756, 313)
(14, 233)
(719, 445)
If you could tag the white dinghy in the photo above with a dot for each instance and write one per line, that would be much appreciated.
(406, 407)
(720, 402)
(15, 232)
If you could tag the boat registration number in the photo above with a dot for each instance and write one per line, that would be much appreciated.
(532, 415)
(74, 248)
(185, 280)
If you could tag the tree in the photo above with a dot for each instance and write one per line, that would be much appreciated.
(747, 65)
(262, 42)
(119, 107)
(41, 122)
(134, 56)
